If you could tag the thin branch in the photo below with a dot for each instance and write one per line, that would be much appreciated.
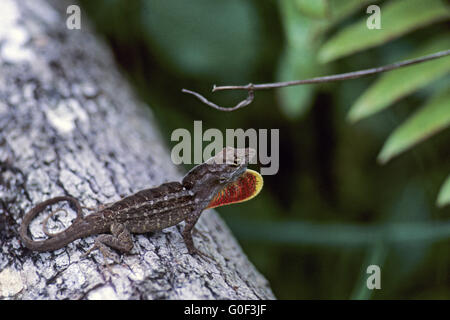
(337, 77)
(243, 103)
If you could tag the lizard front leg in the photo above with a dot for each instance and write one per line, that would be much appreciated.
(190, 222)
(119, 239)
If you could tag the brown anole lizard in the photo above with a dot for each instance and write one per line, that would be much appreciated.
(222, 179)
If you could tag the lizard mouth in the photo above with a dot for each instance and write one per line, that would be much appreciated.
(246, 187)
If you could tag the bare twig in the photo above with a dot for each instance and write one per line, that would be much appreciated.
(243, 103)
(337, 77)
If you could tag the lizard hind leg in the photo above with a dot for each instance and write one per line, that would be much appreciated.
(119, 239)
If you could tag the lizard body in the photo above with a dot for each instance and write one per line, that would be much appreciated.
(221, 180)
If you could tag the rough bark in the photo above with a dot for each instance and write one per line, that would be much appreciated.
(69, 124)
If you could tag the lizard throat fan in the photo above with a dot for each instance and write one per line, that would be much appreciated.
(246, 187)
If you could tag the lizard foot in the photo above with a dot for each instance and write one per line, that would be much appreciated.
(193, 251)
(104, 250)
(201, 234)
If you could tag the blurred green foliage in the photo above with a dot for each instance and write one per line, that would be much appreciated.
(331, 210)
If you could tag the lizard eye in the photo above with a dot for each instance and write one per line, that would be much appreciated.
(223, 179)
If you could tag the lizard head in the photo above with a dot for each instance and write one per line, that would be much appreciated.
(224, 178)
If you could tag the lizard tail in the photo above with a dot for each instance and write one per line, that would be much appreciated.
(57, 240)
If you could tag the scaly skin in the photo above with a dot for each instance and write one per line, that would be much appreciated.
(152, 209)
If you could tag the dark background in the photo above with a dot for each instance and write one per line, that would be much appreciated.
(332, 209)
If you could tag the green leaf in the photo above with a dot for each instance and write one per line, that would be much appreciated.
(298, 28)
(313, 8)
(295, 64)
(430, 119)
(299, 58)
(392, 86)
(337, 10)
(337, 234)
(342, 9)
(444, 194)
(397, 18)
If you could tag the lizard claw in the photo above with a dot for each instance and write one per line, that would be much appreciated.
(85, 254)
(105, 251)
(201, 234)
(194, 251)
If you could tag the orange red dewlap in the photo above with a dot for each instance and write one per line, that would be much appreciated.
(246, 187)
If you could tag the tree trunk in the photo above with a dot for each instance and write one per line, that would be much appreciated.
(70, 125)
